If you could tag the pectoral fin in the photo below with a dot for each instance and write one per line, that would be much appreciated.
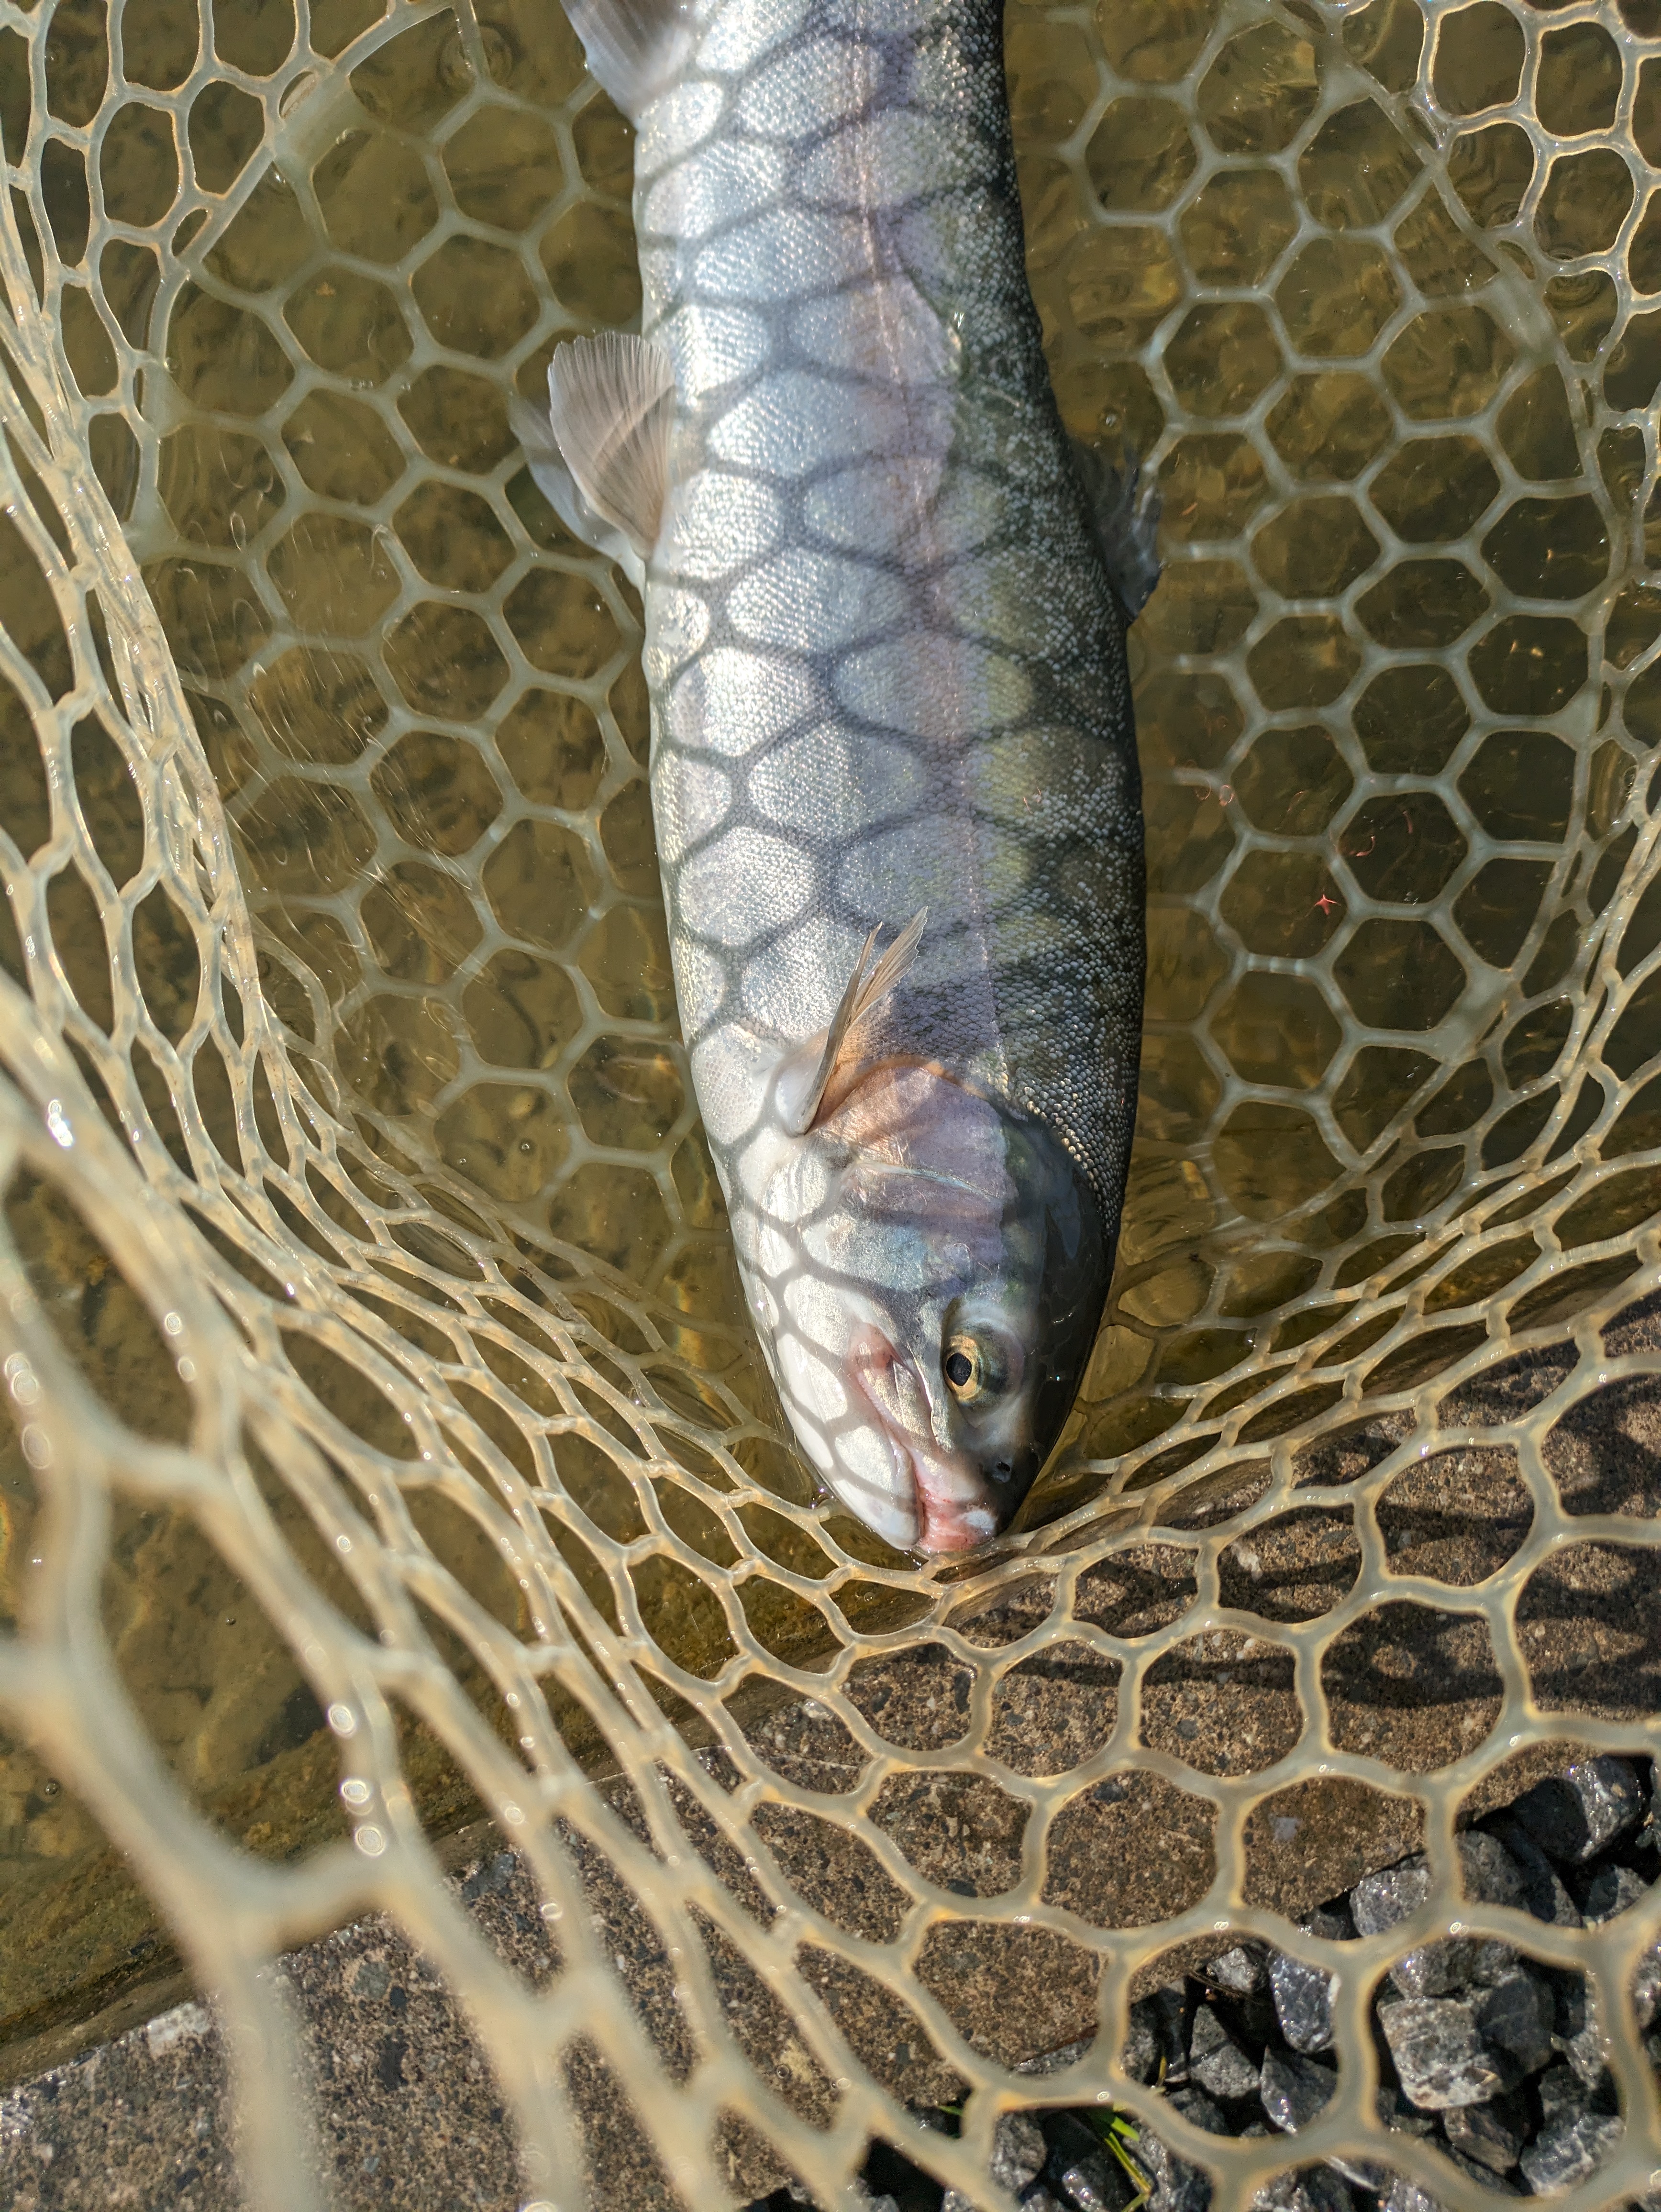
(557, 486)
(610, 403)
(633, 47)
(805, 1075)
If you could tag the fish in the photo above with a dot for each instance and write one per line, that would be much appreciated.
(893, 770)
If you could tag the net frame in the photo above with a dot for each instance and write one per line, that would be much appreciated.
(61, 1688)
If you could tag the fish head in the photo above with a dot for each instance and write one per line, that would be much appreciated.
(928, 1277)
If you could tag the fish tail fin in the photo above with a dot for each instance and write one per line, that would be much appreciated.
(611, 406)
(634, 48)
(803, 1081)
(1123, 510)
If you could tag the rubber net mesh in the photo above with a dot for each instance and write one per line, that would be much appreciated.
(369, 1324)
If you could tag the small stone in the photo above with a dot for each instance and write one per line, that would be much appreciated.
(1177, 2186)
(1405, 2195)
(1490, 1877)
(1019, 2151)
(1543, 1894)
(1484, 2134)
(1303, 2002)
(1198, 2110)
(1484, 2176)
(1334, 1922)
(1577, 2029)
(1516, 2015)
(1560, 2091)
(1451, 1965)
(1241, 1971)
(1612, 1891)
(1316, 2189)
(1140, 2055)
(1401, 2118)
(1573, 2146)
(1440, 2056)
(1078, 2168)
(1647, 1985)
(1379, 1900)
(1296, 2090)
(1216, 2061)
(1573, 1816)
(1164, 2013)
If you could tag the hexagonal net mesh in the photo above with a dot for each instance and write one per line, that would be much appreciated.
(371, 1335)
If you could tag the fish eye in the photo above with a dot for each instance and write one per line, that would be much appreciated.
(973, 1368)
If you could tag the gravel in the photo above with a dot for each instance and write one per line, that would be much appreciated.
(1496, 2062)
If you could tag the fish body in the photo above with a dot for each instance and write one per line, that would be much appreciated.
(890, 700)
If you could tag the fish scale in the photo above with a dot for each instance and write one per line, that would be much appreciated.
(885, 658)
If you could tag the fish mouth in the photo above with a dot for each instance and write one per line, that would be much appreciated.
(947, 1518)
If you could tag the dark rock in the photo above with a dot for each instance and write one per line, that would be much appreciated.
(1647, 1985)
(1516, 2015)
(1574, 1815)
(1379, 1900)
(1559, 2090)
(1490, 1877)
(1242, 1970)
(1496, 2184)
(1303, 2002)
(1440, 2056)
(1333, 1922)
(1405, 2195)
(1078, 2168)
(1543, 1894)
(1612, 1891)
(1567, 2150)
(1577, 2030)
(1450, 1966)
(1159, 2026)
(1401, 2118)
(1176, 2185)
(1491, 2134)
(1199, 2111)
(1019, 2151)
(1296, 2090)
(1140, 2055)
(1216, 2061)
(1316, 2189)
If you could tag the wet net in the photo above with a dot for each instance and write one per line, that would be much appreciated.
(388, 1452)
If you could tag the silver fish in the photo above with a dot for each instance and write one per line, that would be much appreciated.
(894, 769)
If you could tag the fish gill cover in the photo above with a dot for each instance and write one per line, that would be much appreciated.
(388, 1453)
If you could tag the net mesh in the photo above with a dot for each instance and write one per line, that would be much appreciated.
(387, 1448)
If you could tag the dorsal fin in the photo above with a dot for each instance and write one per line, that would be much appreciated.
(805, 1075)
(611, 404)
(633, 47)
